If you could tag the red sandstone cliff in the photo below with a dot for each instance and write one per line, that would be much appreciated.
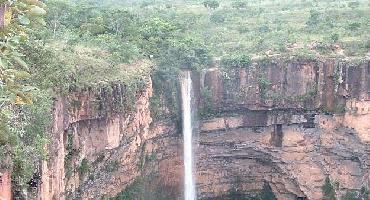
(5, 185)
(271, 123)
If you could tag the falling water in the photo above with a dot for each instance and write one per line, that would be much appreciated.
(186, 89)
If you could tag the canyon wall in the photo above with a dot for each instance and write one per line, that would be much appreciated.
(99, 144)
(285, 123)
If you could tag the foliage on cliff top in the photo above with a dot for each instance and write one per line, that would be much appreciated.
(236, 61)
(298, 28)
(91, 67)
(271, 27)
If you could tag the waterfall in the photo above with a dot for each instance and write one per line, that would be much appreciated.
(186, 92)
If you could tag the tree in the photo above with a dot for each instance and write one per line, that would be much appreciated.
(59, 13)
(121, 22)
(21, 19)
(179, 53)
(156, 34)
(188, 52)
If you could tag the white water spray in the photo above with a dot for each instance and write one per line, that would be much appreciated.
(186, 91)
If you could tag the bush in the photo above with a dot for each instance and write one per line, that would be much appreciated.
(334, 37)
(217, 18)
(363, 194)
(243, 29)
(324, 48)
(239, 4)
(145, 4)
(112, 166)
(367, 44)
(236, 61)
(263, 85)
(189, 52)
(314, 18)
(266, 193)
(328, 190)
(354, 26)
(84, 167)
(350, 195)
(263, 29)
(353, 4)
(212, 4)
(206, 109)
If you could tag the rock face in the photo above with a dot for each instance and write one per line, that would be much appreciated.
(297, 168)
(97, 151)
(99, 143)
(285, 123)
(271, 124)
(5, 185)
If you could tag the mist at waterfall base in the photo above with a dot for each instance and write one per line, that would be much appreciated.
(186, 92)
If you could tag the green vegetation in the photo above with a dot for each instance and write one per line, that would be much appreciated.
(233, 195)
(236, 193)
(328, 190)
(112, 166)
(364, 193)
(146, 158)
(148, 187)
(350, 196)
(84, 167)
(263, 85)
(236, 61)
(354, 194)
(267, 193)
(206, 109)
(239, 4)
(270, 27)
(70, 152)
(23, 114)
(54, 47)
(308, 96)
(212, 4)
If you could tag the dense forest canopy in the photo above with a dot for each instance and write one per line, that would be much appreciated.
(52, 47)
